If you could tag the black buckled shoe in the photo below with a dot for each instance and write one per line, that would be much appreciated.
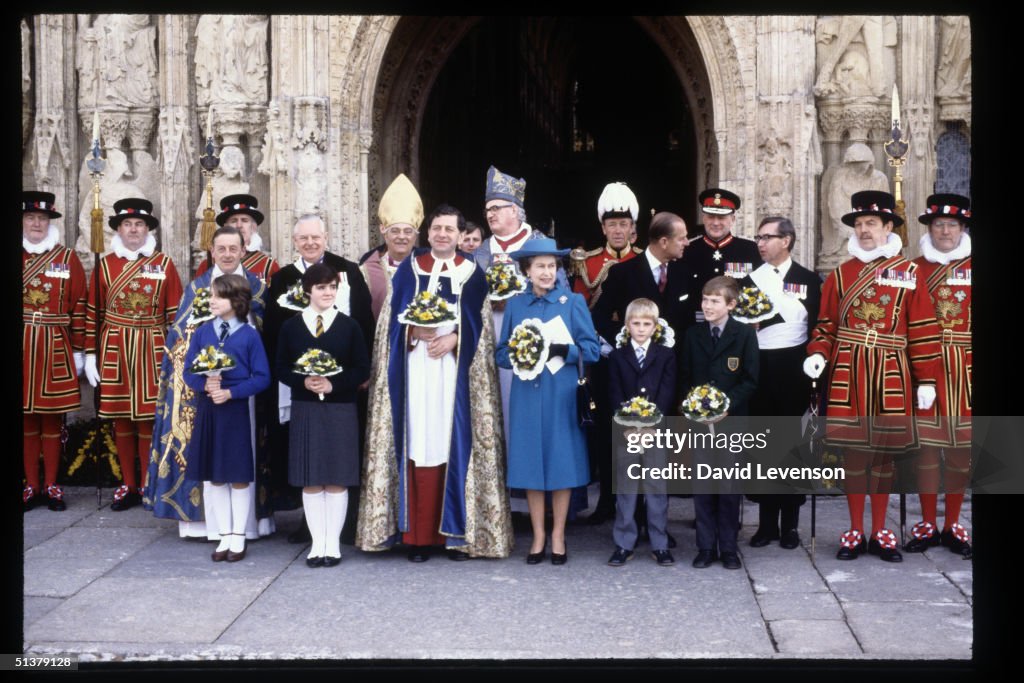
(763, 537)
(790, 540)
(56, 498)
(924, 535)
(851, 545)
(957, 540)
(124, 498)
(663, 557)
(884, 545)
(704, 559)
(418, 554)
(620, 557)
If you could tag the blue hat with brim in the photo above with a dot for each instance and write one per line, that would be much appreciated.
(544, 246)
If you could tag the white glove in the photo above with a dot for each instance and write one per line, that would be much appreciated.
(925, 397)
(79, 357)
(91, 372)
(814, 365)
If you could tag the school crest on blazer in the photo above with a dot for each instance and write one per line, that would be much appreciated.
(733, 363)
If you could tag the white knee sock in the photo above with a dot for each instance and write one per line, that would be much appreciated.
(313, 505)
(241, 500)
(219, 500)
(337, 507)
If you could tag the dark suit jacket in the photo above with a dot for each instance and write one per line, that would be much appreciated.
(703, 363)
(656, 381)
(633, 279)
(359, 301)
(798, 275)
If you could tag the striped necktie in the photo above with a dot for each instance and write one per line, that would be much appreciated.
(319, 325)
(223, 331)
(640, 355)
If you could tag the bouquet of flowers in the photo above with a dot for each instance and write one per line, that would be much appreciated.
(200, 307)
(637, 412)
(316, 363)
(504, 281)
(295, 298)
(663, 334)
(528, 349)
(704, 403)
(427, 310)
(211, 361)
(753, 306)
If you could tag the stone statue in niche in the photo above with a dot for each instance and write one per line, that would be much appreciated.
(775, 176)
(954, 70)
(855, 56)
(856, 173)
(275, 141)
(310, 180)
(114, 185)
(229, 178)
(231, 59)
(117, 58)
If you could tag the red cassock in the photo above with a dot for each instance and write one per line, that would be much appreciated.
(594, 269)
(259, 263)
(950, 289)
(53, 303)
(878, 332)
(139, 299)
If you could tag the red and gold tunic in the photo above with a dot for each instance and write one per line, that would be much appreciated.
(259, 263)
(950, 289)
(139, 299)
(53, 304)
(878, 332)
(593, 269)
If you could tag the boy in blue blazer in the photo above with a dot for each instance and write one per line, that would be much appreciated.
(723, 352)
(645, 368)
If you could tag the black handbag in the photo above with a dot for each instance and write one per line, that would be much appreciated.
(585, 406)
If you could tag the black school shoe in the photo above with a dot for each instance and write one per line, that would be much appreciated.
(620, 557)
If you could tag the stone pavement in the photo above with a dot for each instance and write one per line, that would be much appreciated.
(128, 588)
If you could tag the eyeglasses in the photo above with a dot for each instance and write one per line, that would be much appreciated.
(496, 208)
(765, 238)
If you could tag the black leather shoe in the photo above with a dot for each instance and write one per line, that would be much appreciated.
(961, 547)
(418, 554)
(924, 535)
(887, 554)
(56, 504)
(731, 561)
(559, 558)
(536, 558)
(300, 535)
(129, 500)
(790, 540)
(331, 561)
(456, 555)
(851, 545)
(314, 562)
(620, 557)
(704, 559)
(763, 537)
(671, 540)
(663, 557)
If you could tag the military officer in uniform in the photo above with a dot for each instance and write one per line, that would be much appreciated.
(717, 251)
(241, 211)
(53, 307)
(878, 337)
(131, 305)
(617, 210)
(945, 270)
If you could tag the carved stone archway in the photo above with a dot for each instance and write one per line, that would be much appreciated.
(716, 76)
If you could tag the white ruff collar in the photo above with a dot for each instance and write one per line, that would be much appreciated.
(888, 250)
(147, 249)
(255, 243)
(47, 243)
(933, 255)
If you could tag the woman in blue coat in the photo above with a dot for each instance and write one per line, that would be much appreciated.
(547, 447)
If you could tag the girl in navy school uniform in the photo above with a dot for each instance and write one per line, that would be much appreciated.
(221, 447)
